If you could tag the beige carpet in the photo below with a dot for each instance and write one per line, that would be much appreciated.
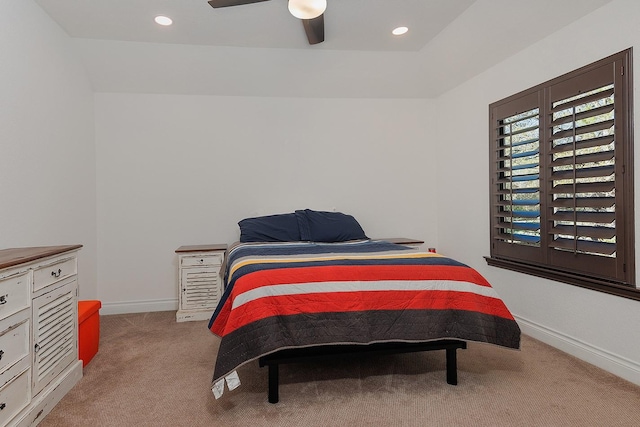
(152, 371)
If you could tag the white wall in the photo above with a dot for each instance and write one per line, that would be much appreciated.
(600, 328)
(178, 170)
(47, 152)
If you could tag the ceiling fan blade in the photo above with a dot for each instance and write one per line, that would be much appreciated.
(314, 29)
(226, 3)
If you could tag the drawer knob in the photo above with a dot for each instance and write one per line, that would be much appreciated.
(1, 354)
(56, 273)
(3, 299)
(2, 406)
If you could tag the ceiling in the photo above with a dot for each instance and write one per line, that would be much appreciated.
(349, 24)
(261, 50)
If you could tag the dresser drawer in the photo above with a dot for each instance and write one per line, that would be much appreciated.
(54, 272)
(14, 397)
(14, 294)
(202, 259)
(14, 340)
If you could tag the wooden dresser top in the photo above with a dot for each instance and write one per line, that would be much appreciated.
(403, 241)
(16, 256)
(203, 248)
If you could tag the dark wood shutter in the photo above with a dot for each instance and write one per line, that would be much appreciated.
(561, 174)
(516, 209)
(582, 172)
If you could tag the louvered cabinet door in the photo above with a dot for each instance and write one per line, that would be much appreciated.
(200, 288)
(55, 333)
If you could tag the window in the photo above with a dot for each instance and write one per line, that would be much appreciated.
(561, 162)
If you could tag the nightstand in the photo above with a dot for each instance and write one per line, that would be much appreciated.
(199, 281)
(414, 243)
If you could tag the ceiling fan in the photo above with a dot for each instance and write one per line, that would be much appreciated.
(311, 12)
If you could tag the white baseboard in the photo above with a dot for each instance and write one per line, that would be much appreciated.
(145, 306)
(617, 365)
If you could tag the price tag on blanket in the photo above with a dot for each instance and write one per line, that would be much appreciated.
(218, 388)
(233, 381)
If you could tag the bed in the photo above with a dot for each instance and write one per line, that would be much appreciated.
(303, 299)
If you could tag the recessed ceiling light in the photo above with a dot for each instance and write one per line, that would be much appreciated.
(399, 31)
(163, 20)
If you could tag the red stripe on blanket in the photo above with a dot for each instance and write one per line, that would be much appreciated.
(358, 301)
(333, 273)
(347, 273)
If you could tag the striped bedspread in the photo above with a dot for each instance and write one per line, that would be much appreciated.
(291, 295)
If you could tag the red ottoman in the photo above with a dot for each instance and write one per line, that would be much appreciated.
(88, 329)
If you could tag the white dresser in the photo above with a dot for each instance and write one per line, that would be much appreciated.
(38, 331)
(199, 281)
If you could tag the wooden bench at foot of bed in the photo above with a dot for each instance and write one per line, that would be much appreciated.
(323, 353)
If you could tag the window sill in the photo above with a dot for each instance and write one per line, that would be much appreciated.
(566, 277)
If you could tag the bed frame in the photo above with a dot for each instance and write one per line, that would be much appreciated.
(300, 355)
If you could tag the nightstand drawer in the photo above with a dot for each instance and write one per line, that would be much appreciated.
(14, 340)
(14, 397)
(54, 272)
(14, 294)
(208, 259)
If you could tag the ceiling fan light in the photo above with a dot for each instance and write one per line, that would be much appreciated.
(307, 9)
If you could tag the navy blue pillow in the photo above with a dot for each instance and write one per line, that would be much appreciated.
(270, 228)
(318, 226)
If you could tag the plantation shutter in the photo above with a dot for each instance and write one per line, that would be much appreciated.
(584, 174)
(516, 209)
(561, 178)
